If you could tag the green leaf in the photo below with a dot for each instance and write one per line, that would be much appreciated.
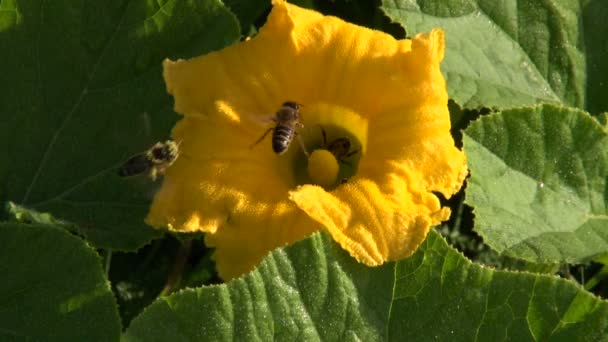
(53, 287)
(511, 53)
(83, 92)
(9, 15)
(595, 32)
(314, 291)
(602, 118)
(603, 259)
(17, 213)
(538, 183)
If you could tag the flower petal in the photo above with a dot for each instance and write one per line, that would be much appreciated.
(298, 55)
(218, 186)
(373, 226)
(244, 240)
(240, 195)
(385, 212)
(416, 134)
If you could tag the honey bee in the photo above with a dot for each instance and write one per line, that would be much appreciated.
(339, 147)
(154, 161)
(287, 119)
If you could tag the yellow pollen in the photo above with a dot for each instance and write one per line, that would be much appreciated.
(323, 168)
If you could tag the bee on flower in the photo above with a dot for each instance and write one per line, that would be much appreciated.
(352, 81)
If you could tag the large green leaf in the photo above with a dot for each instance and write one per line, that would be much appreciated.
(595, 32)
(314, 291)
(510, 53)
(53, 287)
(538, 183)
(82, 92)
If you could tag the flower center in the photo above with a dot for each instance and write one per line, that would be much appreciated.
(335, 138)
(323, 168)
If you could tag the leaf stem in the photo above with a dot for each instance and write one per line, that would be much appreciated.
(458, 218)
(599, 276)
(107, 261)
(175, 277)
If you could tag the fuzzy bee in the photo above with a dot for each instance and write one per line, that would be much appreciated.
(154, 161)
(286, 119)
(339, 147)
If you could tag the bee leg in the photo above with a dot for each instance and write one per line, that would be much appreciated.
(153, 174)
(299, 137)
(351, 153)
(343, 159)
(261, 138)
(324, 136)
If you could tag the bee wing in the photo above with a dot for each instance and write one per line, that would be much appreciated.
(263, 124)
(262, 121)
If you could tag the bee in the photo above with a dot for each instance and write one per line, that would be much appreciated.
(154, 161)
(287, 119)
(340, 147)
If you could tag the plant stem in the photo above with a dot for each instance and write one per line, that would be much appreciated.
(175, 277)
(599, 276)
(107, 259)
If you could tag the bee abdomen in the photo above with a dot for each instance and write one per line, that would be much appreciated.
(134, 166)
(281, 138)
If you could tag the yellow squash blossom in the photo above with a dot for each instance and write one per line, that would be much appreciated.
(385, 98)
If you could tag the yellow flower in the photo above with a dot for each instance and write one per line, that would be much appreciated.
(386, 98)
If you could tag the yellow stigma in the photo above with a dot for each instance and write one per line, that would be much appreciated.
(323, 168)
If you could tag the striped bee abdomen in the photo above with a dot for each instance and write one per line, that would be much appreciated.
(282, 137)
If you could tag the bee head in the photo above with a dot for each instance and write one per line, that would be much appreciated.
(291, 104)
(164, 152)
(340, 145)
